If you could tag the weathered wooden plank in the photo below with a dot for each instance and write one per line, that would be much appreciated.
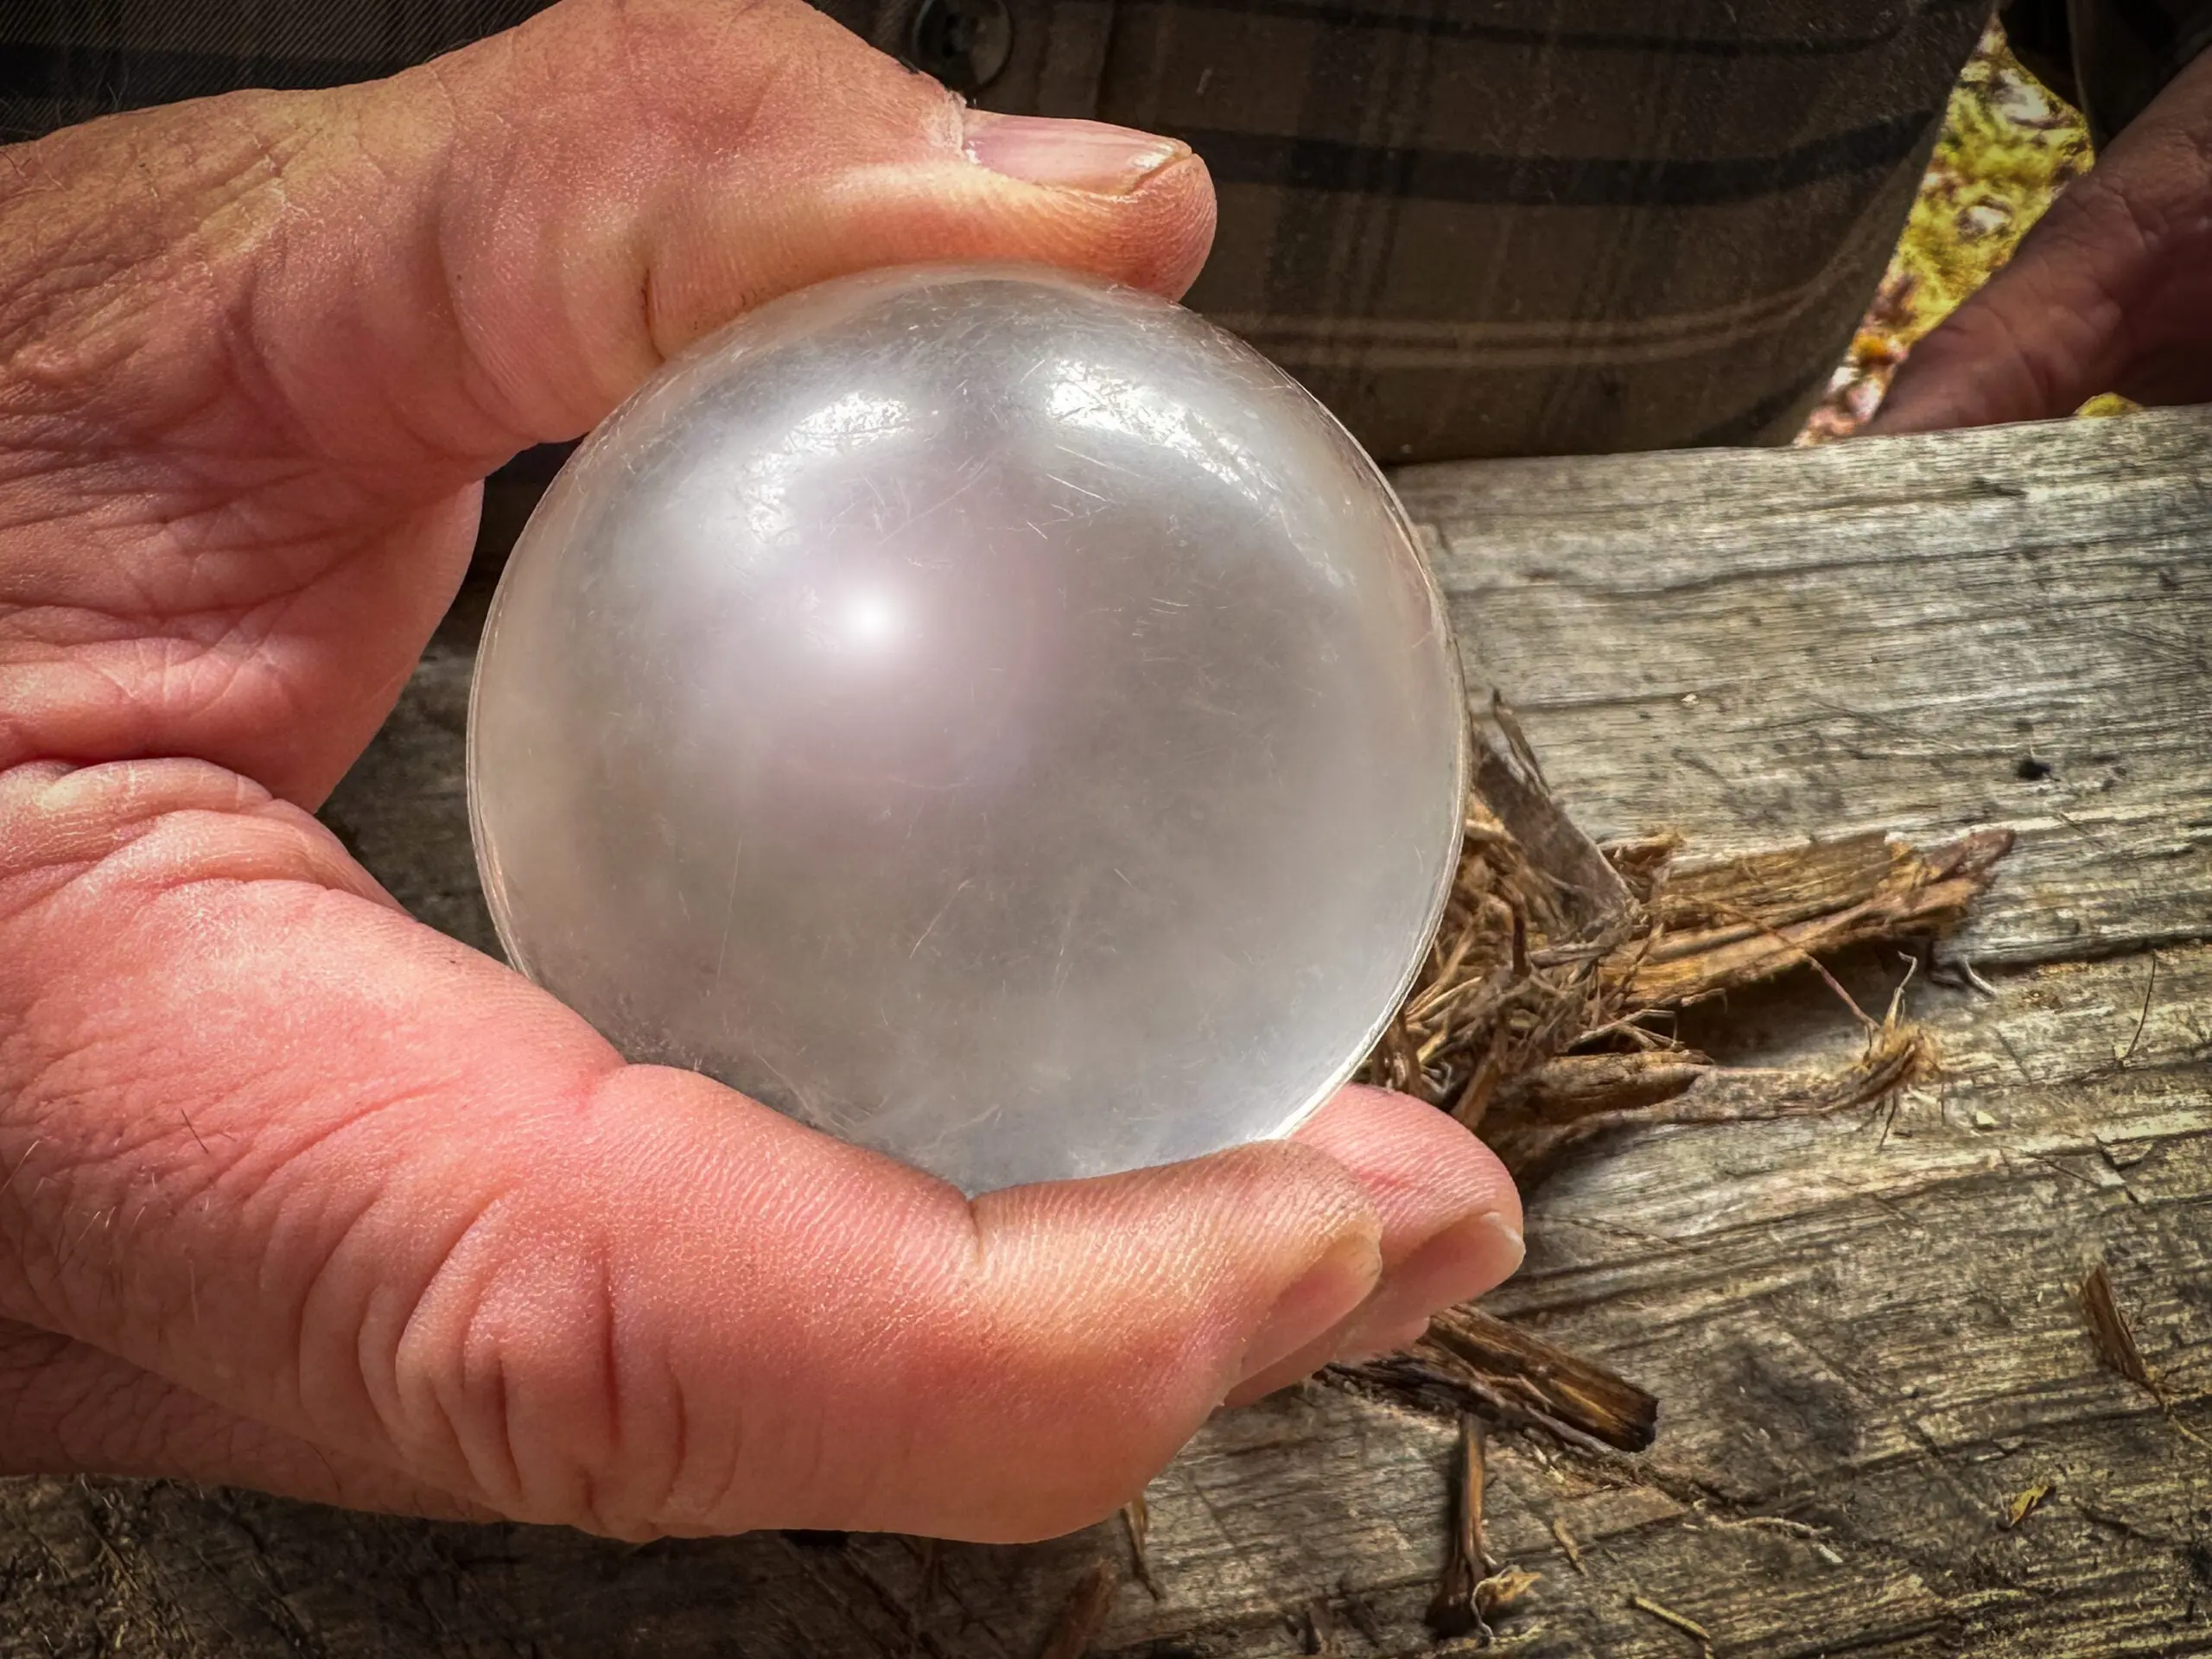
(2008, 626)
(1863, 1333)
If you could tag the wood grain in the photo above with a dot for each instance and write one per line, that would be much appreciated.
(2008, 626)
(1863, 1333)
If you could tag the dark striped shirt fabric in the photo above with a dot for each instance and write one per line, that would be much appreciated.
(1473, 227)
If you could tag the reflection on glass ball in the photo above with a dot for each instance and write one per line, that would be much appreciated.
(995, 717)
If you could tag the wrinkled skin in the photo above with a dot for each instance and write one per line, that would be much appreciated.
(2111, 291)
(297, 1193)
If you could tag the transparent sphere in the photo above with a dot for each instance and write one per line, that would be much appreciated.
(995, 717)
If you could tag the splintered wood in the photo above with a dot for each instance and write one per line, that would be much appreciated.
(1668, 1615)
(1474, 1589)
(2115, 1337)
(1577, 1096)
(1470, 1361)
(1452, 1611)
(1726, 925)
(1532, 1019)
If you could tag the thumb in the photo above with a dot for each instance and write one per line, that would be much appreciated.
(550, 213)
(266, 1141)
(401, 284)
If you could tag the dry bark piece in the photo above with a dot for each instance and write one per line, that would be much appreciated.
(1496, 996)
(1535, 957)
(1748, 918)
(1472, 1589)
(1511, 978)
(2115, 1337)
(1470, 1361)
(1563, 1386)
(2114, 1340)
(1778, 886)
(1570, 1087)
(1571, 1099)
(1688, 1627)
(1451, 1610)
(1507, 778)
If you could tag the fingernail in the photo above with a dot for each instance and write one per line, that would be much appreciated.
(1329, 1290)
(1087, 155)
(1478, 1254)
(1462, 1261)
(1511, 1240)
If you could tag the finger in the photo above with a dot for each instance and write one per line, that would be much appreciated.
(1450, 1218)
(68, 1408)
(280, 1146)
(261, 347)
(2111, 291)
(2040, 339)
(589, 224)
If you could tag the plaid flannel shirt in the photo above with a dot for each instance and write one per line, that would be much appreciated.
(1473, 227)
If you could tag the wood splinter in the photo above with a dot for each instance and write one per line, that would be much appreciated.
(1472, 1589)
(2114, 1340)
(1137, 1518)
(1547, 1381)
(2025, 1504)
(1451, 1612)
(1320, 1632)
(2114, 1337)
(1688, 1626)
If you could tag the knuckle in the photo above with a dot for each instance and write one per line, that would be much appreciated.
(517, 1377)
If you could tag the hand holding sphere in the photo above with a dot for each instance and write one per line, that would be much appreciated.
(301, 1194)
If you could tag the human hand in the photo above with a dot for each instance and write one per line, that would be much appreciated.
(297, 1193)
(2111, 291)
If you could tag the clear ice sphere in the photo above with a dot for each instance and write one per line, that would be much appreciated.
(995, 717)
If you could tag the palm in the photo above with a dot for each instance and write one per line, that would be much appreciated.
(385, 307)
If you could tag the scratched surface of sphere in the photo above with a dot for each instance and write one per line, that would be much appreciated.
(996, 718)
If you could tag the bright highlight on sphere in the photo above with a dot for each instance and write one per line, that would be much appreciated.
(995, 717)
